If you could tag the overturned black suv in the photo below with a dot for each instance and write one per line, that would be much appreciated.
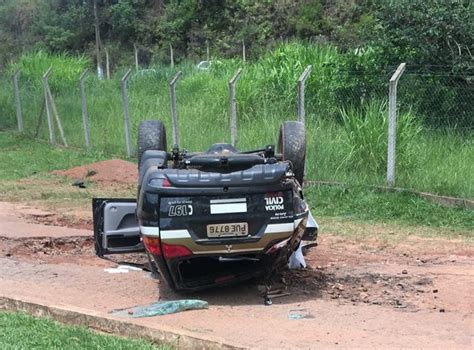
(211, 218)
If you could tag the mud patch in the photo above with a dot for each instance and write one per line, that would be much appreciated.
(33, 248)
(77, 250)
(52, 219)
(107, 173)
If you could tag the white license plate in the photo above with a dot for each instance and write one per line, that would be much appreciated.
(235, 229)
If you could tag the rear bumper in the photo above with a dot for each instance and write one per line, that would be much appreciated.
(219, 264)
(200, 272)
(257, 244)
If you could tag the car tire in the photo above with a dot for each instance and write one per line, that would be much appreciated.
(151, 136)
(292, 146)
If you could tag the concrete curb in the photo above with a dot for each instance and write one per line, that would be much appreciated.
(115, 326)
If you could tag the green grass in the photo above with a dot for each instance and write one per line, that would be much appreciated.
(373, 206)
(22, 157)
(366, 136)
(439, 162)
(21, 331)
(444, 163)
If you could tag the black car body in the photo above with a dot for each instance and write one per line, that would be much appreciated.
(210, 218)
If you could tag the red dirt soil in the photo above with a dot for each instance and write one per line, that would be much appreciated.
(354, 293)
(107, 172)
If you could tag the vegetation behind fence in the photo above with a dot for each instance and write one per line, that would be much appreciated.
(346, 112)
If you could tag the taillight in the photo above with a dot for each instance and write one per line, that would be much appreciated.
(166, 183)
(152, 244)
(160, 182)
(171, 251)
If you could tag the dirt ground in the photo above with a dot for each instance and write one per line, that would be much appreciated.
(356, 291)
(111, 172)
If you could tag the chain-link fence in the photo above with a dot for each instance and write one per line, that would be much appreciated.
(435, 125)
(346, 115)
(442, 105)
(442, 100)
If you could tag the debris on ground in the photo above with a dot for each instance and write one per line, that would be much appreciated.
(299, 314)
(274, 292)
(122, 269)
(297, 259)
(363, 287)
(279, 295)
(79, 183)
(162, 308)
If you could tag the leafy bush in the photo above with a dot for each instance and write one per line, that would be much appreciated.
(359, 76)
(366, 132)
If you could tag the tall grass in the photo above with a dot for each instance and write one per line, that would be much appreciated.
(444, 164)
(366, 136)
(346, 133)
(66, 68)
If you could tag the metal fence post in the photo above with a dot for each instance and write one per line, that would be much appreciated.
(135, 50)
(243, 50)
(174, 112)
(85, 115)
(126, 119)
(56, 116)
(392, 124)
(233, 107)
(207, 51)
(19, 114)
(301, 82)
(52, 137)
(171, 56)
(107, 63)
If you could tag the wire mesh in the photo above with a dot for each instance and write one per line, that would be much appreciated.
(346, 119)
(442, 100)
